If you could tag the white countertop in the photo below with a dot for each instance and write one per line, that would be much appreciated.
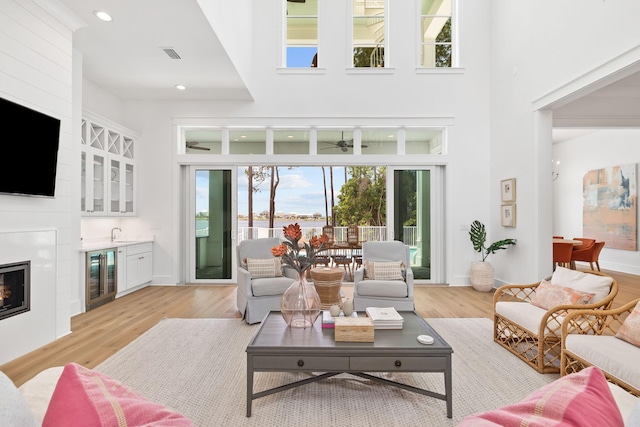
(98, 244)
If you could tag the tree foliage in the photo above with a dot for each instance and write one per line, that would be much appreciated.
(362, 199)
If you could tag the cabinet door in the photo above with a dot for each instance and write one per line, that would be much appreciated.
(93, 182)
(133, 278)
(146, 267)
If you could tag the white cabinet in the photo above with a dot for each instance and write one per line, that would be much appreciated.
(108, 168)
(139, 264)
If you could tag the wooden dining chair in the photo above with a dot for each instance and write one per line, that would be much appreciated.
(562, 254)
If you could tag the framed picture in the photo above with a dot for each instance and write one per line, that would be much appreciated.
(508, 215)
(508, 190)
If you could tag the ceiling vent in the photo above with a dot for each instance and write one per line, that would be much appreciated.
(171, 53)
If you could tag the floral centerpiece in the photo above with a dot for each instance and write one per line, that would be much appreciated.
(300, 304)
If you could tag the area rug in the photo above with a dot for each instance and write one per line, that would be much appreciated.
(198, 367)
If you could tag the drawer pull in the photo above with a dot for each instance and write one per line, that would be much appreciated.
(301, 363)
(398, 363)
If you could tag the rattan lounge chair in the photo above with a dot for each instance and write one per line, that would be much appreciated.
(532, 333)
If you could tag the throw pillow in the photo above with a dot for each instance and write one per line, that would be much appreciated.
(379, 270)
(89, 398)
(14, 411)
(630, 329)
(264, 267)
(586, 282)
(580, 399)
(548, 296)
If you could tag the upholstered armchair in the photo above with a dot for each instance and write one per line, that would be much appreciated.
(261, 279)
(528, 318)
(598, 338)
(386, 279)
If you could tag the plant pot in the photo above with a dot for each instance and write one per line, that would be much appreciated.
(482, 277)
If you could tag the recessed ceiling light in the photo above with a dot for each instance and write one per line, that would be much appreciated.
(181, 87)
(101, 14)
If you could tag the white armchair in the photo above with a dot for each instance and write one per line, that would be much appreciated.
(389, 285)
(256, 296)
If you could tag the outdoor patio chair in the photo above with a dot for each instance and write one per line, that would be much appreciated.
(386, 279)
(261, 281)
(532, 332)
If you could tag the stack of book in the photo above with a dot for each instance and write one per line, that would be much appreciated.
(385, 317)
(328, 321)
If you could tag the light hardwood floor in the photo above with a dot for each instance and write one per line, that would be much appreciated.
(99, 333)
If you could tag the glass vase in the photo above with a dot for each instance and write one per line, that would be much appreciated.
(300, 304)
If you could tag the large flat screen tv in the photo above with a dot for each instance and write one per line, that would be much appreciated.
(28, 150)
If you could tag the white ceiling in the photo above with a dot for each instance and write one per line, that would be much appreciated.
(125, 57)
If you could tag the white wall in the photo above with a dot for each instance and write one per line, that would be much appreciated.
(459, 98)
(36, 71)
(528, 62)
(577, 156)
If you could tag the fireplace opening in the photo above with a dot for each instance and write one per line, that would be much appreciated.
(15, 284)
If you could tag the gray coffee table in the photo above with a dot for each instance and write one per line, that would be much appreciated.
(276, 347)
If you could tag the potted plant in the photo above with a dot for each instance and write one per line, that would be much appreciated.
(481, 276)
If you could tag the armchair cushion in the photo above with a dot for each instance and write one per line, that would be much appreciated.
(384, 270)
(264, 267)
(586, 282)
(548, 296)
(383, 288)
(630, 329)
(270, 286)
(527, 315)
(614, 356)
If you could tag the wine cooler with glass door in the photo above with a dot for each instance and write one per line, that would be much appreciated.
(102, 277)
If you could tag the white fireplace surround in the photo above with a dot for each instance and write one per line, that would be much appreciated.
(28, 331)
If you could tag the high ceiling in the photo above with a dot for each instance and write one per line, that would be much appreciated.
(126, 57)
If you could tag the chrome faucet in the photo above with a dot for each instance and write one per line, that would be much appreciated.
(113, 232)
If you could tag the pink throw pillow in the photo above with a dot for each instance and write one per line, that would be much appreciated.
(580, 399)
(548, 296)
(84, 397)
(630, 329)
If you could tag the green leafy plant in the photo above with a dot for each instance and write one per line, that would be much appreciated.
(478, 236)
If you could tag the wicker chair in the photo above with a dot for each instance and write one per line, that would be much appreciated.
(589, 334)
(532, 333)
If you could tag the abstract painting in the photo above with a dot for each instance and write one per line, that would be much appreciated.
(609, 210)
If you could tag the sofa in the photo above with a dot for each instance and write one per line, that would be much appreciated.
(73, 395)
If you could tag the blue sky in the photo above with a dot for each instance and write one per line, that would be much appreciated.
(300, 191)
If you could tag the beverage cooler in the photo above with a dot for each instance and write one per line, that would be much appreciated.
(102, 278)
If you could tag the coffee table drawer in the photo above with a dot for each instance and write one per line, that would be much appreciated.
(301, 363)
(390, 364)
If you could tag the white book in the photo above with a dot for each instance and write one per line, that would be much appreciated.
(384, 315)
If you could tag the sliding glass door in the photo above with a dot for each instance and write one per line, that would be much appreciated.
(211, 218)
(415, 217)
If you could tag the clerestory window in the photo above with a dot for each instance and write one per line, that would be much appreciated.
(301, 33)
(369, 27)
(436, 41)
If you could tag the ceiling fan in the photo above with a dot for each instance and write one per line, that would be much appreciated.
(194, 146)
(342, 144)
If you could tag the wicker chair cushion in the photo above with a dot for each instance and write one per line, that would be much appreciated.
(264, 267)
(524, 314)
(612, 355)
(630, 329)
(599, 285)
(548, 296)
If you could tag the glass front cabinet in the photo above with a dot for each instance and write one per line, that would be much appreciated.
(108, 168)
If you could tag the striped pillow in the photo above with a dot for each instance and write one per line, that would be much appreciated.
(264, 267)
(379, 270)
